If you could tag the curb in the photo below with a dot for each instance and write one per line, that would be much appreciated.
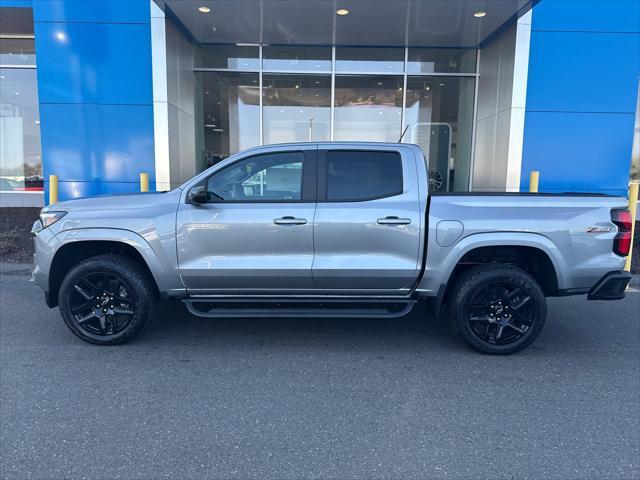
(15, 268)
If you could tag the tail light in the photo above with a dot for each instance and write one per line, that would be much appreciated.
(622, 241)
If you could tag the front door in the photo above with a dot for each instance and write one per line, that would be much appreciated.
(368, 222)
(255, 233)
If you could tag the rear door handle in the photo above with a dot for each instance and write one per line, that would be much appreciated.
(394, 221)
(290, 221)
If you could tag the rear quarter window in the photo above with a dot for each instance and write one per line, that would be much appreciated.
(363, 175)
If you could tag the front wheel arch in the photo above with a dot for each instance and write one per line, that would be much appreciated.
(72, 253)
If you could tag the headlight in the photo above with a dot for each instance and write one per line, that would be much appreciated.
(49, 218)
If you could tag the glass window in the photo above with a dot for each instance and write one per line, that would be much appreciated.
(228, 56)
(368, 59)
(17, 51)
(439, 116)
(363, 175)
(293, 59)
(441, 60)
(20, 157)
(230, 114)
(263, 178)
(296, 108)
(368, 108)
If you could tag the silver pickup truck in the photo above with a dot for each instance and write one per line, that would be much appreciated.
(329, 229)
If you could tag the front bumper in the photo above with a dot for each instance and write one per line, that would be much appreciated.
(610, 287)
(45, 243)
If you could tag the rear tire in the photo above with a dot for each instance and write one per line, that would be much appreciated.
(497, 309)
(107, 300)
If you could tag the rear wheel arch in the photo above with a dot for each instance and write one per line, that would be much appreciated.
(532, 260)
(70, 254)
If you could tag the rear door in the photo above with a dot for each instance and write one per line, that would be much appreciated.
(368, 223)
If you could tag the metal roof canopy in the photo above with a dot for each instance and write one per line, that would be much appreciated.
(413, 23)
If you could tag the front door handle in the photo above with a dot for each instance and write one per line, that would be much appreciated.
(290, 221)
(394, 221)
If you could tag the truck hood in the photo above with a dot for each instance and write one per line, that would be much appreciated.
(106, 202)
(134, 212)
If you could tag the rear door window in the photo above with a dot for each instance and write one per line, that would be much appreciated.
(362, 175)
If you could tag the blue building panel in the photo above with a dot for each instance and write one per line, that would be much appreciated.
(583, 72)
(103, 11)
(578, 152)
(587, 16)
(89, 142)
(94, 63)
(584, 67)
(96, 94)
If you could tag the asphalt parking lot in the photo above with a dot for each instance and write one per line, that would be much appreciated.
(194, 398)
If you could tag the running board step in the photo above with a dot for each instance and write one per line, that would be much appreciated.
(232, 308)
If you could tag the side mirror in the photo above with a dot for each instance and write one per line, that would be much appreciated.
(197, 194)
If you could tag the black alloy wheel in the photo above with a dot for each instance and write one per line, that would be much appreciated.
(107, 299)
(501, 313)
(103, 303)
(497, 308)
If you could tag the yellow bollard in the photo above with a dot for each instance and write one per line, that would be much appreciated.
(633, 206)
(534, 176)
(144, 182)
(53, 189)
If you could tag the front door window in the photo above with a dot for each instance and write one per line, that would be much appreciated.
(263, 178)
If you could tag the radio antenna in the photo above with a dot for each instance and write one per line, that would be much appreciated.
(405, 131)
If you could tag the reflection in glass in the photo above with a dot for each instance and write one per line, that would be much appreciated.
(368, 108)
(296, 108)
(439, 115)
(227, 56)
(17, 51)
(290, 58)
(230, 114)
(267, 177)
(368, 59)
(20, 157)
(441, 60)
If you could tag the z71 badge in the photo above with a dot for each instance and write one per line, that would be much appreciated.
(598, 229)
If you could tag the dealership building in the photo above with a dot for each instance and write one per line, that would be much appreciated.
(99, 91)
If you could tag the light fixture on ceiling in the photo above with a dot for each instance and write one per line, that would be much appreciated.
(240, 44)
(480, 14)
(204, 9)
(2, 77)
(442, 84)
(61, 36)
(342, 12)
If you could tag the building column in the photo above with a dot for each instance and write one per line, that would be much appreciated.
(502, 87)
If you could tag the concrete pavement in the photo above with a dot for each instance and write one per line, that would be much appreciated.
(194, 398)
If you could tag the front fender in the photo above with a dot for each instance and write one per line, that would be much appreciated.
(442, 260)
(167, 279)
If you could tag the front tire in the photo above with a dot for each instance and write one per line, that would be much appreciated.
(497, 309)
(107, 300)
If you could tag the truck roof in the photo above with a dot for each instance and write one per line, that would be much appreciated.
(340, 143)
